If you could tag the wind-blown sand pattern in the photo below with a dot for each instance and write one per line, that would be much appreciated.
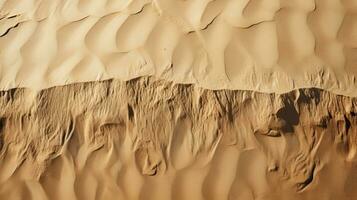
(178, 99)
(270, 46)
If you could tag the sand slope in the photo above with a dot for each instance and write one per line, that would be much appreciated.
(261, 45)
(147, 139)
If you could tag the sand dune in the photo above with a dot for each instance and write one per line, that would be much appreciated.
(267, 46)
(178, 99)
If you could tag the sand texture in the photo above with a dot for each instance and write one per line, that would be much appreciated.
(178, 100)
(261, 45)
(147, 139)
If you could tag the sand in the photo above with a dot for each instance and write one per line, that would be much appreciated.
(272, 46)
(178, 99)
(149, 139)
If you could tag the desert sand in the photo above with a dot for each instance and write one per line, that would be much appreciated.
(271, 46)
(178, 99)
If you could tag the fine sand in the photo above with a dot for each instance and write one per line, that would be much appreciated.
(146, 139)
(271, 46)
(178, 99)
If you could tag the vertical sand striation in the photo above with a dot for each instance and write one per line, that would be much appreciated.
(154, 139)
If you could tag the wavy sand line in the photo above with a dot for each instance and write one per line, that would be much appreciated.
(267, 46)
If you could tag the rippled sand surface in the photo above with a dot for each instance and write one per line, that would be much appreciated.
(270, 46)
(178, 99)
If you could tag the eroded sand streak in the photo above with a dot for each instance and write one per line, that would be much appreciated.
(149, 139)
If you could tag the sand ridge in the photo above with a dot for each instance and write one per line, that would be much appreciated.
(269, 46)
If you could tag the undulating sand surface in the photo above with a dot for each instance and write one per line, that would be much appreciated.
(178, 100)
(271, 46)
